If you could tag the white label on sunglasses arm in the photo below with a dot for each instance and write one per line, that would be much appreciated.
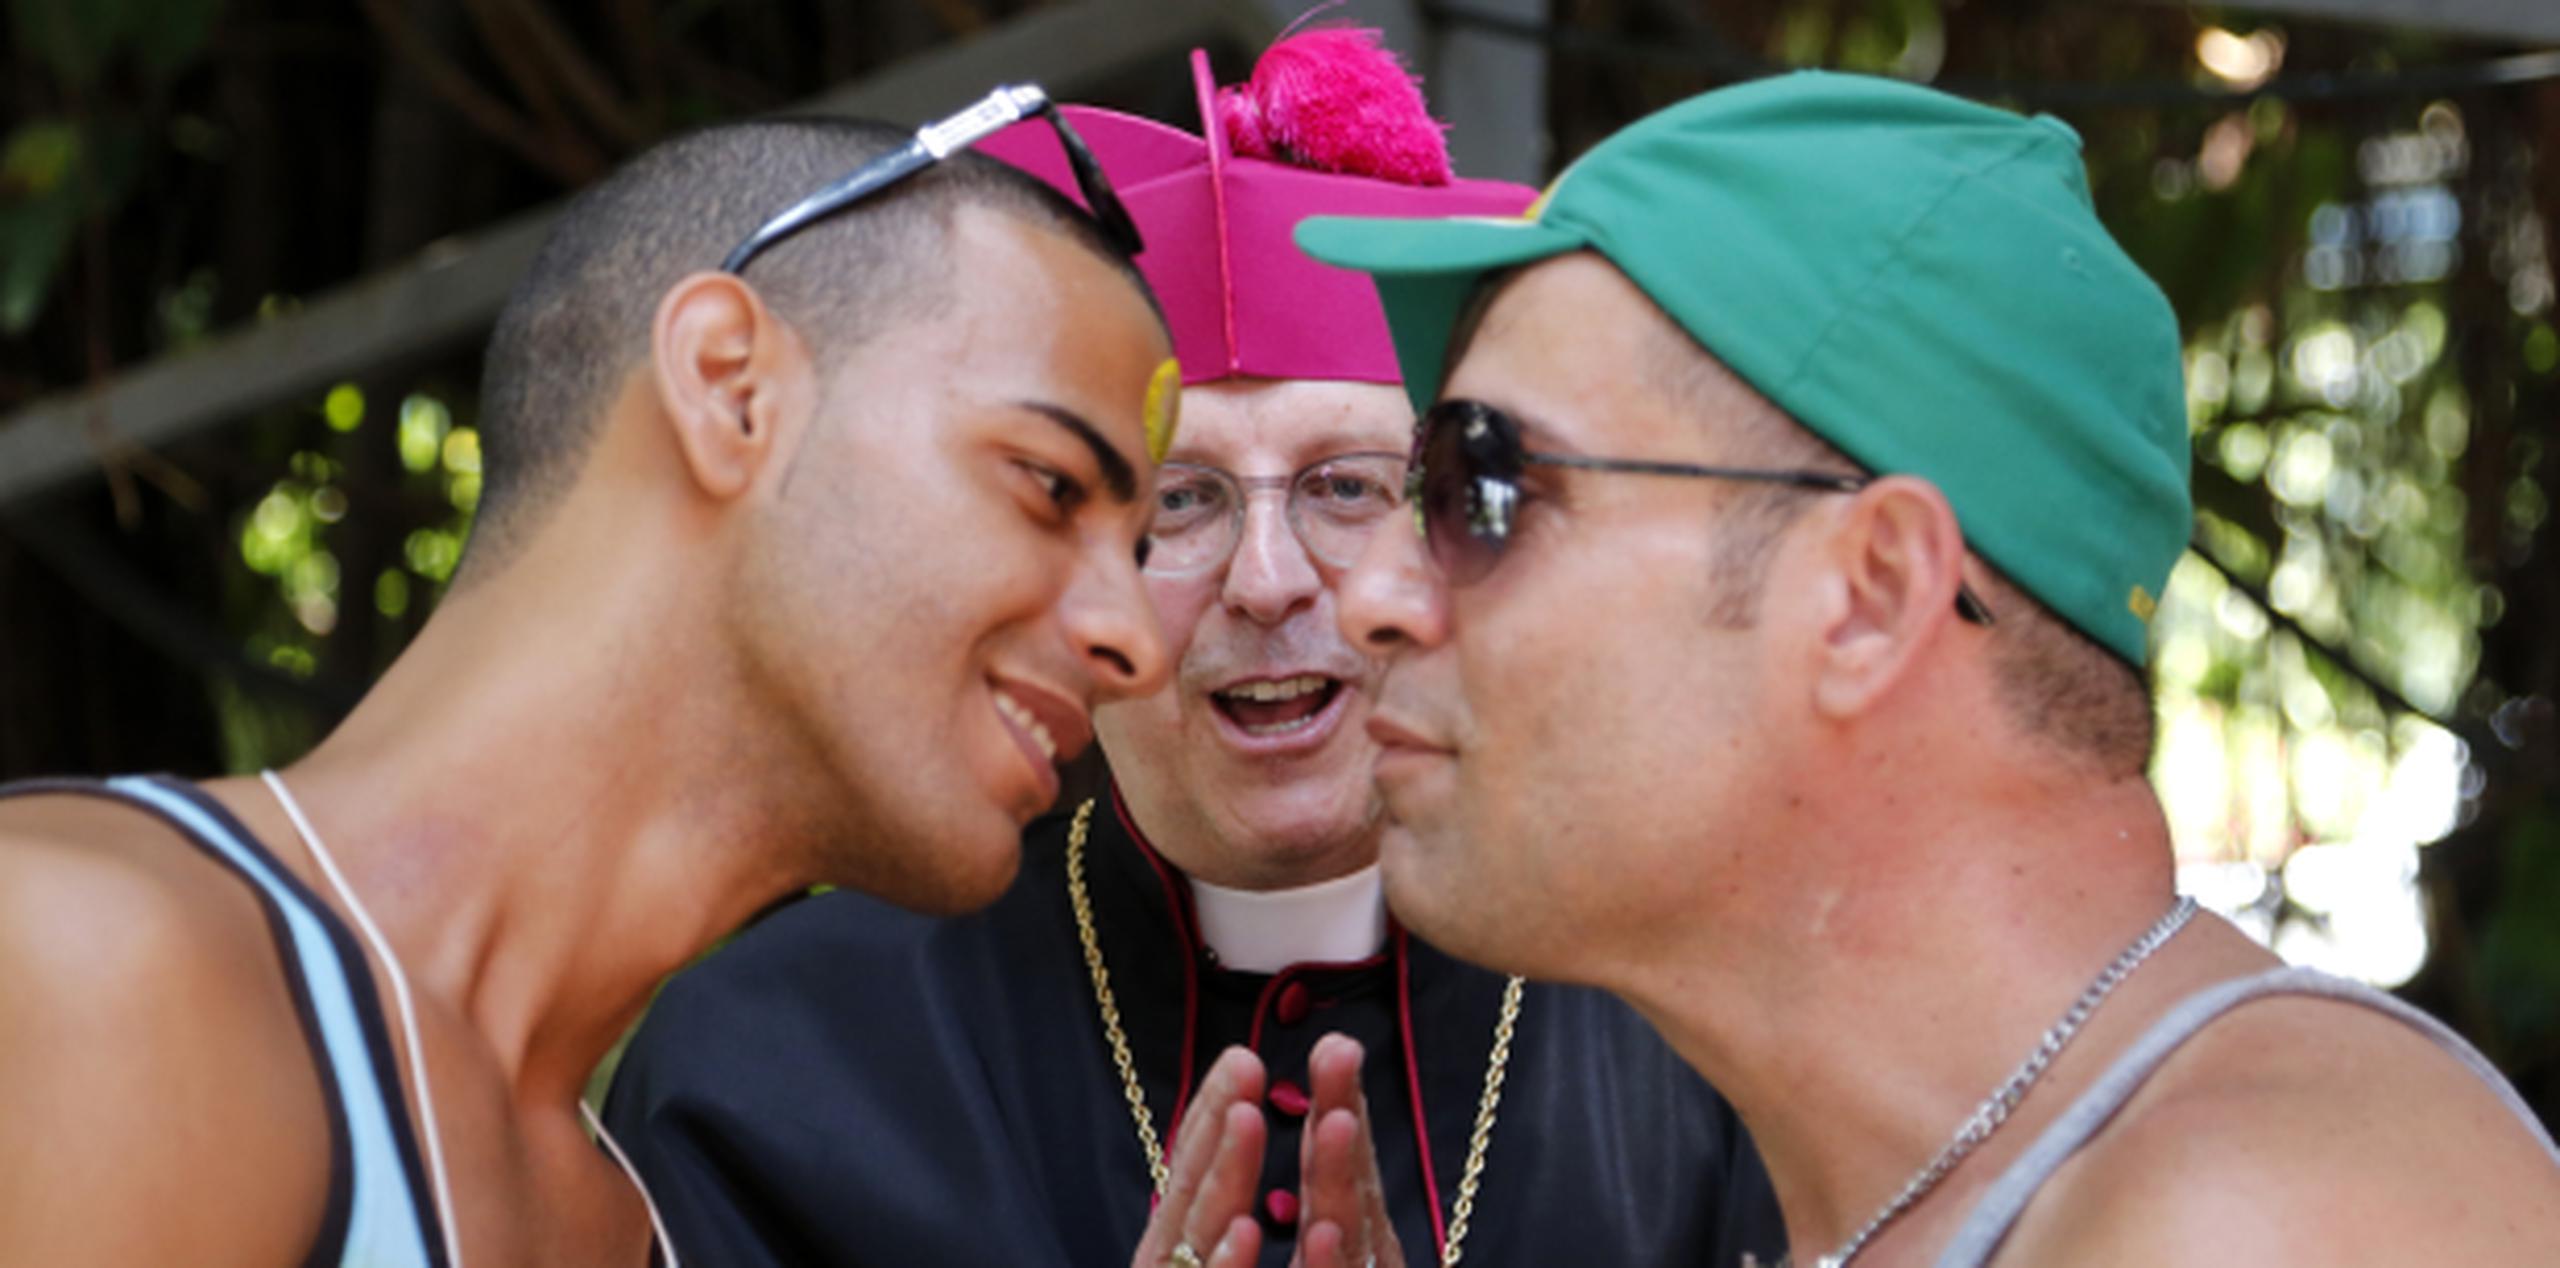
(1001, 109)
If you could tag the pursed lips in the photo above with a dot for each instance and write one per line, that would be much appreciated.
(1396, 735)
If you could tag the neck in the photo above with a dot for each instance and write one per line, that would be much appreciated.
(527, 810)
(1863, 1006)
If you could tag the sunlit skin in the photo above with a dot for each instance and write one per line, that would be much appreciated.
(1041, 604)
(1227, 805)
(1847, 886)
(757, 644)
(1586, 659)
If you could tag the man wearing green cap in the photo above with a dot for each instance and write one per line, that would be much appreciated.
(1806, 465)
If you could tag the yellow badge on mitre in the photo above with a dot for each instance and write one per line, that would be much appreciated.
(1163, 408)
(2141, 604)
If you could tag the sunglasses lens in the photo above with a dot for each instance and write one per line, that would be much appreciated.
(1468, 459)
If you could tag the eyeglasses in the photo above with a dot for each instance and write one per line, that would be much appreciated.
(935, 142)
(1464, 483)
(1333, 507)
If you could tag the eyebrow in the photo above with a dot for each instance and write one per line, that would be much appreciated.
(1121, 478)
(1320, 447)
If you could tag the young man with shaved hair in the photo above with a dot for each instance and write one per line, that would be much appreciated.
(1805, 473)
(789, 570)
(849, 1084)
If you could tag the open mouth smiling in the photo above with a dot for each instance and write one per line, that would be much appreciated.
(1021, 717)
(1047, 727)
(1272, 708)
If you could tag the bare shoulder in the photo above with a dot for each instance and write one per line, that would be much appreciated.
(2304, 1131)
(99, 900)
(162, 1103)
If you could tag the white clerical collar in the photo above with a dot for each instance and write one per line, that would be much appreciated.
(1265, 931)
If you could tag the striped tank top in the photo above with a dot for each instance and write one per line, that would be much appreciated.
(379, 1214)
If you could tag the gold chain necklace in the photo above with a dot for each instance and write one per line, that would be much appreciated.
(1479, 1142)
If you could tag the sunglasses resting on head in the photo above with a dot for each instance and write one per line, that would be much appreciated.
(935, 142)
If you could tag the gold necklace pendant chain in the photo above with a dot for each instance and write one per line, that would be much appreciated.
(1479, 1142)
(1110, 1007)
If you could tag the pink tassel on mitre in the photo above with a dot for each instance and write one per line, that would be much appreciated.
(1336, 99)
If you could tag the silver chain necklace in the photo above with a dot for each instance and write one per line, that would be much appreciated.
(1994, 1110)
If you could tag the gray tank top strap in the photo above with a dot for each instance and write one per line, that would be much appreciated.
(2000, 1206)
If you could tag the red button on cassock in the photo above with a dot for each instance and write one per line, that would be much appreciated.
(1291, 1007)
(1282, 1206)
(1289, 1099)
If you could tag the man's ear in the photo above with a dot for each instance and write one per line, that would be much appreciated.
(727, 371)
(1899, 557)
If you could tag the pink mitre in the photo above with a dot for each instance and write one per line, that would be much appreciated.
(1217, 213)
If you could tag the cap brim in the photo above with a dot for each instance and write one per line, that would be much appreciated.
(1425, 270)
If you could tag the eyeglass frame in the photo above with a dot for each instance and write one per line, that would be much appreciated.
(1969, 606)
(1247, 486)
(1009, 104)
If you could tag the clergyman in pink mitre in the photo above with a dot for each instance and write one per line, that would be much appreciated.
(1242, 300)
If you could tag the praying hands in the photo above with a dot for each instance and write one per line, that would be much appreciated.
(1205, 1219)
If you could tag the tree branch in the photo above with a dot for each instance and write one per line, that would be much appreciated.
(494, 18)
(2388, 696)
(486, 113)
(586, 85)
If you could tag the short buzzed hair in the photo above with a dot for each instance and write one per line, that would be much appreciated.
(578, 322)
(2056, 682)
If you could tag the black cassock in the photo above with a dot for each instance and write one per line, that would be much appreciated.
(848, 1083)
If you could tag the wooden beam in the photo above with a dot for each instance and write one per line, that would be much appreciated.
(452, 291)
(2512, 21)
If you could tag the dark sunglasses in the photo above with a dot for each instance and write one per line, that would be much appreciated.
(935, 142)
(1464, 484)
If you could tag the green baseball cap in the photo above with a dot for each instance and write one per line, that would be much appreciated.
(1919, 279)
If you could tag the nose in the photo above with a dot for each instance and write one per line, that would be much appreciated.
(1392, 599)
(1113, 626)
(1269, 576)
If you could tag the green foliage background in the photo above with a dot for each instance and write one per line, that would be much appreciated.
(2361, 258)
